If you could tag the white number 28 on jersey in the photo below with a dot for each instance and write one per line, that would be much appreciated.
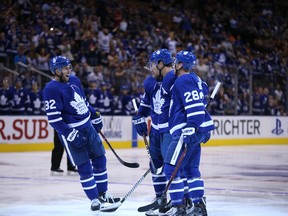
(193, 96)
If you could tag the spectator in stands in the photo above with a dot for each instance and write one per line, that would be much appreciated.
(65, 48)
(20, 57)
(105, 100)
(258, 102)
(43, 60)
(93, 94)
(20, 98)
(6, 97)
(219, 103)
(259, 39)
(36, 106)
(3, 48)
(243, 104)
(123, 103)
(97, 74)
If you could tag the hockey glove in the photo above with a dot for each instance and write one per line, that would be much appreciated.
(140, 124)
(76, 138)
(189, 136)
(208, 135)
(96, 121)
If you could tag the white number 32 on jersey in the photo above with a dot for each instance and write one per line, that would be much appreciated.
(50, 104)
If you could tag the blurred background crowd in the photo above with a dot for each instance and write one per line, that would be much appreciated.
(242, 44)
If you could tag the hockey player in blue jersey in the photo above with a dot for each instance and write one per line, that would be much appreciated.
(190, 125)
(156, 103)
(77, 124)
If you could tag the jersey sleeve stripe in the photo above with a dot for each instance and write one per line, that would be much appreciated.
(196, 113)
(145, 105)
(207, 123)
(55, 120)
(53, 113)
(177, 127)
(163, 125)
(194, 105)
(154, 126)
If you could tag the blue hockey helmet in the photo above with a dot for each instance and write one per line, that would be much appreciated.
(163, 55)
(188, 59)
(58, 62)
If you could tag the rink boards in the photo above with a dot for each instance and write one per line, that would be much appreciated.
(33, 133)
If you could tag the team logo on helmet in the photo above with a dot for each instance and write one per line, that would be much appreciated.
(163, 55)
(188, 59)
(58, 62)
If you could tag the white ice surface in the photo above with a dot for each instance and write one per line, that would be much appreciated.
(239, 181)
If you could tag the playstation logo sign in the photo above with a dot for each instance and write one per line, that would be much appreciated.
(278, 130)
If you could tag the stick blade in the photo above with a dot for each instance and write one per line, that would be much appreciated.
(154, 205)
(111, 208)
(131, 165)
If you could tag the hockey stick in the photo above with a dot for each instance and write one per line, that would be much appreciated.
(131, 165)
(183, 154)
(154, 170)
(214, 92)
(115, 206)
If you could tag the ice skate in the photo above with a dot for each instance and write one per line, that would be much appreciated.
(152, 212)
(107, 197)
(200, 208)
(189, 206)
(173, 211)
(98, 204)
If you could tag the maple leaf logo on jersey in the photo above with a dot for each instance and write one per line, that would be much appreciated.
(37, 103)
(3, 100)
(92, 99)
(79, 104)
(158, 102)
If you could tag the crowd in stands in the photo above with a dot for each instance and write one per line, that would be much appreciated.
(242, 44)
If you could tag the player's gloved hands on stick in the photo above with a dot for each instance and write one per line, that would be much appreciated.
(140, 124)
(96, 121)
(76, 138)
(189, 136)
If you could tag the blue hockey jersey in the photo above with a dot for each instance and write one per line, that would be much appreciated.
(36, 102)
(6, 100)
(166, 94)
(105, 102)
(147, 107)
(157, 97)
(188, 105)
(66, 105)
(92, 96)
(20, 101)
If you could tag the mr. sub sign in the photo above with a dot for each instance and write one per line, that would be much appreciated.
(25, 129)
